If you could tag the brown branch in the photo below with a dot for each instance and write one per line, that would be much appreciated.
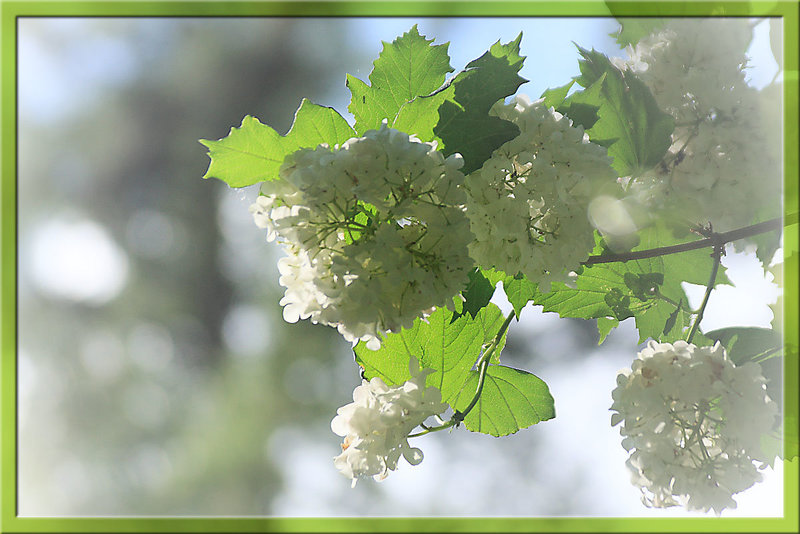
(713, 240)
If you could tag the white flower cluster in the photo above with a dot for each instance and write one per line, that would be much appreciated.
(376, 425)
(374, 230)
(723, 152)
(693, 421)
(527, 205)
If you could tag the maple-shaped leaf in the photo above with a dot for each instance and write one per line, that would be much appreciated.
(408, 67)
(629, 121)
(650, 290)
(254, 152)
(465, 125)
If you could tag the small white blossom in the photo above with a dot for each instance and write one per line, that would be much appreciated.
(376, 425)
(726, 144)
(527, 204)
(692, 421)
(374, 231)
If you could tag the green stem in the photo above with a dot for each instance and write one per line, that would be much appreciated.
(717, 255)
(483, 365)
(761, 356)
(459, 416)
(430, 429)
(677, 305)
(695, 432)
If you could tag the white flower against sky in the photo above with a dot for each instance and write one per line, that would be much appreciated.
(376, 425)
(692, 421)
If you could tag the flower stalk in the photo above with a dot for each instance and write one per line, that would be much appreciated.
(483, 366)
(717, 255)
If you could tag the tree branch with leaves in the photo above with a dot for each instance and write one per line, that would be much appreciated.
(399, 229)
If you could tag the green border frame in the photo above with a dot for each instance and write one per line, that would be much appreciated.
(10, 523)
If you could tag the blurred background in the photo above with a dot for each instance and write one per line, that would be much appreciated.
(156, 375)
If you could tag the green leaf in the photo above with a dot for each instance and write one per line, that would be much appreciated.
(619, 303)
(632, 30)
(630, 123)
(451, 348)
(762, 345)
(771, 446)
(519, 291)
(511, 399)
(744, 344)
(767, 244)
(254, 152)
(582, 107)
(604, 326)
(474, 136)
(790, 264)
(646, 289)
(554, 97)
(494, 276)
(465, 125)
(774, 447)
(643, 285)
(421, 114)
(672, 319)
(478, 293)
(692, 266)
(406, 68)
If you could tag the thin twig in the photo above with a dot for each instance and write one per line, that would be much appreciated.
(717, 255)
(722, 238)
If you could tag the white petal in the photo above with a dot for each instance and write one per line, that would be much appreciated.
(413, 455)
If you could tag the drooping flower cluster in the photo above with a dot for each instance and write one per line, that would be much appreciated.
(725, 147)
(376, 425)
(374, 231)
(527, 205)
(693, 422)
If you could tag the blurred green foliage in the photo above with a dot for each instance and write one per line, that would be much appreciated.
(144, 404)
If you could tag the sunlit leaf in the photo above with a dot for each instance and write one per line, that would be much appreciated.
(604, 326)
(511, 399)
(406, 68)
(519, 291)
(449, 347)
(649, 290)
(630, 122)
(254, 152)
(555, 96)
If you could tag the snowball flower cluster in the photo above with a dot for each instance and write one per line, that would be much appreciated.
(374, 231)
(376, 425)
(693, 422)
(527, 204)
(724, 153)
